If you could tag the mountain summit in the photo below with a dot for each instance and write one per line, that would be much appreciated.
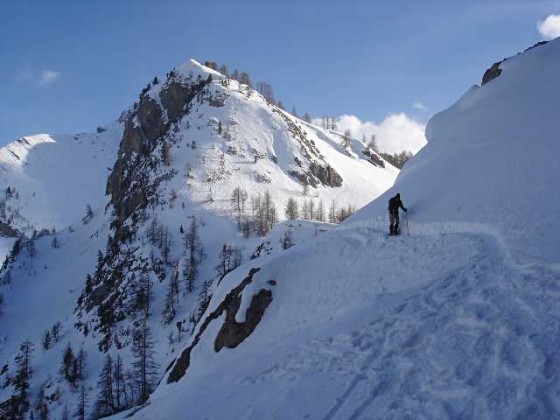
(117, 240)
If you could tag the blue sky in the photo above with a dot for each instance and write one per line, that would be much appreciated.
(68, 66)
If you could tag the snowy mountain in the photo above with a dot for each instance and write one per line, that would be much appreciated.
(117, 240)
(47, 181)
(458, 320)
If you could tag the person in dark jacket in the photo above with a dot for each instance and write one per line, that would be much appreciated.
(394, 204)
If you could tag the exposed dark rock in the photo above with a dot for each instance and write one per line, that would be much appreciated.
(124, 198)
(492, 72)
(150, 116)
(495, 70)
(307, 146)
(373, 158)
(217, 101)
(302, 177)
(234, 333)
(263, 248)
(326, 174)
(231, 333)
(538, 44)
(144, 126)
(7, 231)
(175, 98)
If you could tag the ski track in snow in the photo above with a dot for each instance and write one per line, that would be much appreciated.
(462, 347)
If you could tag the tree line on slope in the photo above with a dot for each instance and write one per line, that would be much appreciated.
(264, 88)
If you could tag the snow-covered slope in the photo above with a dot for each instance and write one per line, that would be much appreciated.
(171, 163)
(53, 178)
(498, 147)
(458, 320)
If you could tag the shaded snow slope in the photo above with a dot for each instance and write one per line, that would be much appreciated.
(458, 320)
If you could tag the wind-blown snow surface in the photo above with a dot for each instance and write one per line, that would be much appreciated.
(458, 320)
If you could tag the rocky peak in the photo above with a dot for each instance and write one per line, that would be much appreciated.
(148, 122)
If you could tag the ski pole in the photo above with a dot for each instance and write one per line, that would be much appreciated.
(407, 229)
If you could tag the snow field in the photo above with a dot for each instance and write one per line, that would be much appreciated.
(428, 326)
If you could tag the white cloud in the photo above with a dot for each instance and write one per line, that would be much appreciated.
(397, 132)
(419, 106)
(48, 77)
(550, 27)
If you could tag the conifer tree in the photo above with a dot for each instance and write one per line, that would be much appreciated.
(55, 331)
(41, 406)
(230, 259)
(66, 368)
(224, 70)
(144, 295)
(332, 213)
(82, 403)
(320, 213)
(46, 341)
(305, 210)
(145, 368)
(291, 210)
(373, 143)
(79, 365)
(194, 254)
(346, 139)
(172, 297)
(105, 404)
(245, 79)
(118, 378)
(20, 401)
(238, 200)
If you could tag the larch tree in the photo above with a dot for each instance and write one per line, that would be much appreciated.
(245, 79)
(105, 404)
(194, 251)
(346, 138)
(20, 401)
(145, 368)
(224, 70)
(291, 210)
(238, 200)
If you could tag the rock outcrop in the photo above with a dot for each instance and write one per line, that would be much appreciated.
(492, 72)
(146, 125)
(232, 333)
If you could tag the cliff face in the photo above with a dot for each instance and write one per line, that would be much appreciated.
(148, 123)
